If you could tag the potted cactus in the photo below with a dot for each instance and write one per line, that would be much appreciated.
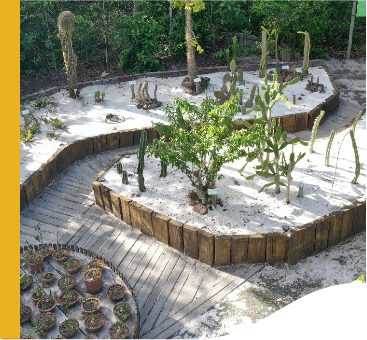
(46, 321)
(96, 263)
(116, 291)
(25, 313)
(47, 304)
(93, 280)
(69, 328)
(60, 254)
(69, 297)
(45, 250)
(94, 322)
(26, 281)
(90, 305)
(122, 310)
(72, 266)
(38, 293)
(67, 281)
(48, 277)
(34, 260)
(119, 331)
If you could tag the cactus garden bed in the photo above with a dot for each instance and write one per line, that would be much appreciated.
(86, 117)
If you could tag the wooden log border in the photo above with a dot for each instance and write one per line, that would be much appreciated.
(136, 331)
(301, 242)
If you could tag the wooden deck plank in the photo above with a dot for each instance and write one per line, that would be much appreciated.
(43, 218)
(97, 235)
(66, 197)
(108, 242)
(71, 207)
(109, 255)
(57, 210)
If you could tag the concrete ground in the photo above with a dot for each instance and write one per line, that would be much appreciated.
(273, 287)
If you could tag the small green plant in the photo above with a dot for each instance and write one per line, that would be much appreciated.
(314, 130)
(124, 177)
(328, 148)
(119, 168)
(57, 123)
(26, 135)
(38, 291)
(98, 96)
(41, 103)
(52, 134)
(22, 107)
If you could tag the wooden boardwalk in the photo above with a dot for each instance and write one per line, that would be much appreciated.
(171, 289)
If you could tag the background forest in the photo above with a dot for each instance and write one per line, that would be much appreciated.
(140, 36)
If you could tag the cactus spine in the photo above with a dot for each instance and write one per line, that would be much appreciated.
(124, 177)
(66, 24)
(314, 129)
(355, 149)
(141, 154)
(163, 169)
(356, 121)
(119, 167)
(328, 148)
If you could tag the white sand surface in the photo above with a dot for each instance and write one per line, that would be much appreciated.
(84, 117)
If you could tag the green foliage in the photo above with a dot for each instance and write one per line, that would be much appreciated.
(41, 103)
(57, 123)
(22, 107)
(203, 138)
(52, 134)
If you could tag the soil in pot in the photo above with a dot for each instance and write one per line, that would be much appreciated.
(91, 305)
(93, 280)
(45, 251)
(37, 294)
(69, 298)
(67, 282)
(46, 304)
(46, 321)
(119, 331)
(48, 277)
(61, 254)
(99, 264)
(94, 322)
(26, 282)
(25, 313)
(72, 265)
(122, 310)
(69, 328)
(116, 292)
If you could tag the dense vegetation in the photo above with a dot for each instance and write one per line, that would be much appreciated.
(137, 37)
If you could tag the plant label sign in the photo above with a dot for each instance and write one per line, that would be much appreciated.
(241, 87)
(133, 82)
(197, 80)
(285, 67)
(213, 192)
(25, 112)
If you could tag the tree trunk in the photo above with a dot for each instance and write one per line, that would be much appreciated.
(70, 60)
(191, 62)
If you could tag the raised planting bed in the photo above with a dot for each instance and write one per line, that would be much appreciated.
(84, 136)
(247, 226)
(67, 319)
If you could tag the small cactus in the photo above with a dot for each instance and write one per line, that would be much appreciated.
(141, 154)
(294, 71)
(103, 95)
(328, 148)
(141, 183)
(119, 167)
(355, 149)
(252, 95)
(314, 130)
(124, 177)
(356, 121)
(240, 79)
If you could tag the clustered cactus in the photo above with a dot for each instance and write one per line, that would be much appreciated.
(143, 101)
(98, 97)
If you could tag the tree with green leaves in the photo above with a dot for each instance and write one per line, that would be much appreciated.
(191, 42)
(203, 138)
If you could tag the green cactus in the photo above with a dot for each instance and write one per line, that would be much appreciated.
(252, 95)
(240, 78)
(243, 110)
(317, 82)
(311, 79)
(124, 177)
(233, 67)
(328, 148)
(103, 95)
(314, 129)
(97, 95)
(163, 169)
(306, 56)
(141, 182)
(119, 167)
(142, 147)
(294, 70)
(355, 149)
(356, 121)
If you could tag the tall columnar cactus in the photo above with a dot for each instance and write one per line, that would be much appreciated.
(328, 148)
(163, 169)
(314, 130)
(66, 24)
(306, 53)
(124, 177)
(355, 149)
(141, 154)
(356, 121)
(119, 167)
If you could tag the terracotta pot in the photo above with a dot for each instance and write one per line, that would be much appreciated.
(126, 313)
(75, 270)
(113, 337)
(48, 252)
(47, 310)
(35, 300)
(27, 285)
(51, 316)
(93, 285)
(94, 310)
(93, 329)
(99, 264)
(64, 258)
(65, 334)
(48, 281)
(72, 303)
(113, 285)
(29, 314)
(37, 267)
(72, 280)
